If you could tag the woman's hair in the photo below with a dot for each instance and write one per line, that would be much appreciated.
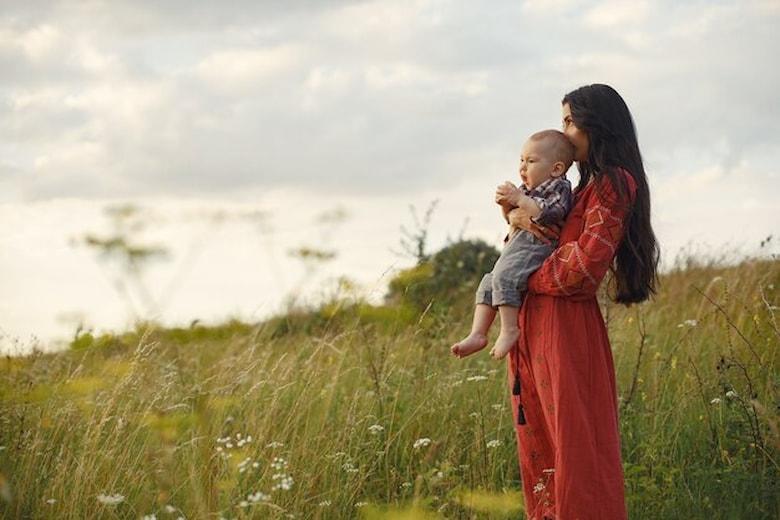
(599, 111)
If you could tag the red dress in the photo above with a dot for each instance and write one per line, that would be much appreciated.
(569, 444)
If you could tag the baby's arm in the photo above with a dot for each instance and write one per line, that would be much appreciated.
(528, 205)
(555, 204)
(511, 197)
(503, 193)
(548, 208)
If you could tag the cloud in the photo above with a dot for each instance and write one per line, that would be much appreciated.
(37, 43)
(553, 7)
(134, 98)
(617, 13)
(240, 70)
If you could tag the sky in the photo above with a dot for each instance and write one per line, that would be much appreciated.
(239, 128)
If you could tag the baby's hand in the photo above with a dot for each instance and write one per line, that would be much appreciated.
(507, 193)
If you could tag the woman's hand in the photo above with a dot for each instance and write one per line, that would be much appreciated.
(521, 219)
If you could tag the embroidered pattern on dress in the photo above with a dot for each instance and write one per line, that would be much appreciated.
(598, 237)
(603, 210)
(557, 277)
(582, 264)
(544, 506)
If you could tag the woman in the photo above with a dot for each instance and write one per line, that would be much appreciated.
(561, 372)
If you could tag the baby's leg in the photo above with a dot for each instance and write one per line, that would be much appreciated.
(510, 332)
(477, 339)
(484, 313)
(509, 280)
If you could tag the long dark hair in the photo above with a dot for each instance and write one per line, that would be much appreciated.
(599, 111)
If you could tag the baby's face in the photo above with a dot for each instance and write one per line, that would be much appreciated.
(536, 163)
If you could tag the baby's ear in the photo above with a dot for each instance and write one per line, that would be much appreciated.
(559, 168)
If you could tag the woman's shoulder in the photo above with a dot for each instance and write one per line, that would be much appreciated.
(609, 193)
(629, 179)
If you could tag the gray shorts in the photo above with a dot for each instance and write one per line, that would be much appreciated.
(506, 284)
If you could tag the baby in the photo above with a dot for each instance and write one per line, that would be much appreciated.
(546, 195)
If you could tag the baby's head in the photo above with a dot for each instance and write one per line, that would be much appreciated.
(545, 154)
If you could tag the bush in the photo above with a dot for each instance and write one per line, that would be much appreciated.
(451, 274)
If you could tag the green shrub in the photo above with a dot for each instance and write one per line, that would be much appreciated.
(450, 275)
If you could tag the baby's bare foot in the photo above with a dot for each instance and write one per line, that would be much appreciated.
(505, 342)
(472, 343)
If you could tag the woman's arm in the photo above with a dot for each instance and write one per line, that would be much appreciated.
(577, 268)
(505, 209)
(521, 217)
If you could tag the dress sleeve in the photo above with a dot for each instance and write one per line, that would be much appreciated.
(576, 268)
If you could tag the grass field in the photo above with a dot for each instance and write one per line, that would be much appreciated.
(354, 411)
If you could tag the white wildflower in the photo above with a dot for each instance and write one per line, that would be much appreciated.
(243, 464)
(731, 393)
(243, 503)
(258, 496)
(422, 443)
(111, 500)
(376, 429)
(405, 485)
(495, 443)
(715, 400)
(361, 504)
(687, 323)
(284, 483)
(274, 444)
(324, 503)
(170, 509)
(476, 378)
(51, 501)
(149, 517)
(279, 463)
(498, 407)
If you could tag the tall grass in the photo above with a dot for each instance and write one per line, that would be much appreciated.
(357, 411)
